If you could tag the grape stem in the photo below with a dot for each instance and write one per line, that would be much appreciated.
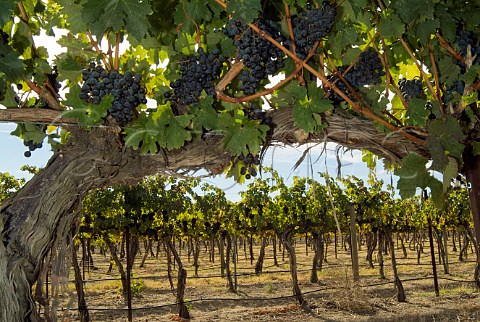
(48, 94)
(384, 60)
(449, 48)
(366, 112)
(117, 51)
(435, 76)
(45, 94)
(97, 49)
(430, 88)
(25, 19)
(229, 76)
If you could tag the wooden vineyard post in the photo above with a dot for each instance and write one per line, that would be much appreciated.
(432, 254)
(235, 261)
(129, 268)
(354, 244)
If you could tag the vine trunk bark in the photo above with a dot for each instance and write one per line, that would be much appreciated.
(292, 259)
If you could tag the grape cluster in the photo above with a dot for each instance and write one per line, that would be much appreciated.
(126, 89)
(197, 74)
(368, 70)
(458, 87)
(248, 169)
(32, 146)
(410, 88)
(254, 112)
(311, 26)
(465, 39)
(260, 56)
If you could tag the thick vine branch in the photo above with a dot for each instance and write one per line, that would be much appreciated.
(34, 115)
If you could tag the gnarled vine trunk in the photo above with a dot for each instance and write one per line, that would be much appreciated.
(286, 238)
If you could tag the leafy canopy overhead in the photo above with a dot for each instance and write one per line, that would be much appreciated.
(206, 68)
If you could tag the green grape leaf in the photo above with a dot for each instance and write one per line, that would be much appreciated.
(449, 70)
(242, 137)
(205, 115)
(409, 11)
(307, 115)
(451, 171)
(161, 129)
(445, 134)
(417, 113)
(6, 11)
(427, 28)
(86, 114)
(142, 133)
(29, 132)
(104, 15)
(413, 174)
(73, 11)
(172, 132)
(246, 10)
(308, 108)
(391, 26)
(343, 38)
(476, 148)
(190, 13)
(10, 62)
(471, 74)
(370, 159)
(9, 97)
(69, 67)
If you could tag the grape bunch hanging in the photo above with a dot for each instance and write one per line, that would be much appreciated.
(248, 169)
(468, 43)
(126, 89)
(410, 88)
(254, 112)
(260, 57)
(31, 145)
(197, 74)
(311, 26)
(368, 70)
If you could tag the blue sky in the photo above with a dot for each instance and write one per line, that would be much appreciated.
(281, 159)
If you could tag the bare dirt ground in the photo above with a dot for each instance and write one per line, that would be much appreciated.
(266, 297)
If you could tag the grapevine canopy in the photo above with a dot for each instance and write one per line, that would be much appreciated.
(398, 78)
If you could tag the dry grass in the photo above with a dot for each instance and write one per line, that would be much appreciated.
(336, 296)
